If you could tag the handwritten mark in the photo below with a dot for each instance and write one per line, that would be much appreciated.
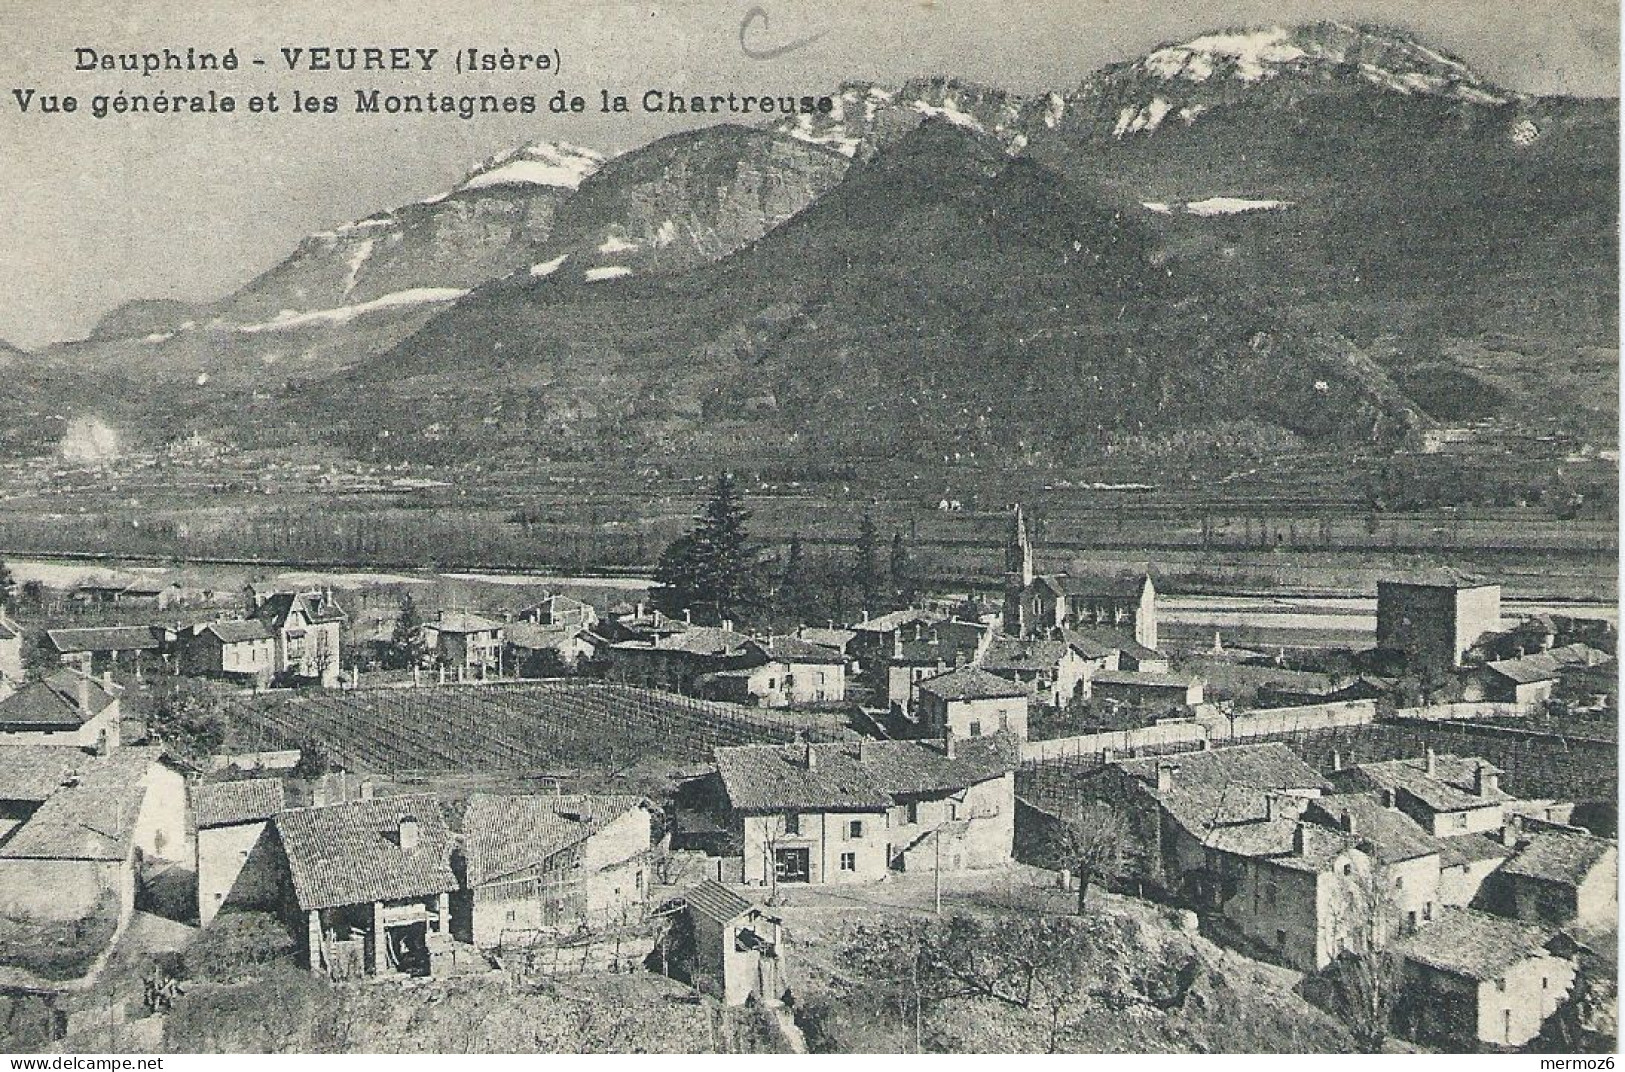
(759, 14)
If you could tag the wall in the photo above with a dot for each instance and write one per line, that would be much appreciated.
(63, 889)
(1283, 909)
(1295, 719)
(237, 865)
(990, 716)
(88, 735)
(1123, 742)
(1461, 711)
(824, 835)
(1511, 1010)
(160, 829)
(1416, 888)
(1458, 886)
(983, 833)
(813, 683)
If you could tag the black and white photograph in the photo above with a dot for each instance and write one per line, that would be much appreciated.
(766, 527)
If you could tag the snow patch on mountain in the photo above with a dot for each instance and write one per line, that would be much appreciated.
(614, 243)
(547, 268)
(343, 314)
(1254, 54)
(554, 164)
(666, 234)
(358, 258)
(1229, 206)
(613, 271)
(1133, 120)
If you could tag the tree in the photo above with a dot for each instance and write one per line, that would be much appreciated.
(185, 718)
(712, 569)
(1092, 839)
(901, 572)
(8, 586)
(1364, 982)
(866, 572)
(406, 642)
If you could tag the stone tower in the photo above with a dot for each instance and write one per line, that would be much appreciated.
(1018, 573)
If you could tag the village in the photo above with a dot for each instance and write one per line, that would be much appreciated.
(1413, 844)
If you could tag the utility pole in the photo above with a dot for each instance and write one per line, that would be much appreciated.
(936, 840)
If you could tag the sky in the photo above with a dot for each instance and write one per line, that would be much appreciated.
(180, 206)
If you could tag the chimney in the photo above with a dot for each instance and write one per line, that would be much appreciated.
(84, 694)
(1108, 755)
(1432, 765)
(1272, 806)
(408, 833)
(863, 751)
(727, 625)
(1337, 759)
(1297, 839)
(1165, 776)
(948, 742)
(1511, 830)
(1485, 780)
(107, 680)
(1348, 822)
(865, 616)
(366, 789)
(637, 611)
(688, 616)
(810, 756)
(1385, 796)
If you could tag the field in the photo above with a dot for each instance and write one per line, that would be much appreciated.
(542, 728)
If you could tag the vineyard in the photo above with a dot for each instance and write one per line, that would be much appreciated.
(1537, 765)
(534, 726)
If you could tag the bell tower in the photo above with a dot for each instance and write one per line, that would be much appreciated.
(1018, 573)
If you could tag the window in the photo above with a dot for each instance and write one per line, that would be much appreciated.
(854, 829)
(975, 728)
(1348, 868)
(819, 677)
(1280, 939)
(1461, 820)
(1544, 982)
(1399, 882)
(1427, 910)
(913, 811)
(792, 823)
(1501, 985)
(849, 861)
(1270, 893)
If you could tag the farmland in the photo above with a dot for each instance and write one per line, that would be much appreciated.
(551, 727)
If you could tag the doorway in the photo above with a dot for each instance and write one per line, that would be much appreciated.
(792, 865)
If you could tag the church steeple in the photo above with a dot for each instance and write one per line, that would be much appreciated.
(1018, 573)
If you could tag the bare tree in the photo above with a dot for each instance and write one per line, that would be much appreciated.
(1093, 840)
(1366, 979)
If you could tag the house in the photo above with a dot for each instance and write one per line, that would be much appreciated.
(879, 637)
(85, 848)
(971, 702)
(238, 859)
(1471, 977)
(542, 650)
(1037, 604)
(1448, 796)
(460, 640)
(738, 947)
(1559, 877)
(239, 650)
(372, 881)
(1466, 864)
(1141, 689)
(837, 640)
(95, 649)
(840, 813)
(556, 864)
(814, 674)
(308, 630)
(638, 623)
(679, 659)
(65, 708)
(559, 612)
(1525, 681)
(1434, 617)
(1408, 858)
(1054, 671)
(1130, 653)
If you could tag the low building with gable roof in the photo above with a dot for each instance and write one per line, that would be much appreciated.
(1558, 876)
(65, 709)
(738, 946)
(1448, 795)
(239, 862)
(972, 702)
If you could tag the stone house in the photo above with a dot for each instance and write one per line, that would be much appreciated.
(93, 650)
(534, 650)
(1559, 877)
(738, 947)
(1434, 617)
(1527, 681)
(238, 650)
(460, 640)
(839, 813)
(971, 702)
(1408, 859)
(1054, 671)
(239, 860)
(65, 709)
(1039, 604)
(554, 864)
(99, 823)
(1471, 977)
(369, 882)
(308, 631)
(878, 638)
(559, 612)
(1142, 689)
(1447, 795)
(815, 674)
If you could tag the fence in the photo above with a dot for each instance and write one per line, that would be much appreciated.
(1463, 711)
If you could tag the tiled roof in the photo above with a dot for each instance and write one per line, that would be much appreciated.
(778, 777)
(1472, 944)
(1527, 670)
(279, 605)
(350, 853)
(1275, 840)
(830, 638)
(462, 621)
(1448, 788)
(1142, 679)
(796, 650)
(972, 683)
(704, 640)
(1392, 835)
(1471, 848)
(235, 632)
(53, 701)
(1023, 653)
(716, 902)
(886, 623)
(108, 638)
(227, 803)
(1224, 786)
(1579, 655)
(503, 834)
(1559, 856)
(537, 637)
(32, 772)
(93, 816)
(1123, 585)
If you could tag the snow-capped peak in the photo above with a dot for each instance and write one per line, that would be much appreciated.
(544, 164)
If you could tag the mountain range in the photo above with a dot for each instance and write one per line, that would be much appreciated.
(1330, 232)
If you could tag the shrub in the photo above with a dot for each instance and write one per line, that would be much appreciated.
(236, 945)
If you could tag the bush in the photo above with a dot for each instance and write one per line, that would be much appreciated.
(59, 949)
(236, 945)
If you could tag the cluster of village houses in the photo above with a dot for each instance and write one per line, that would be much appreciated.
(1486, 897)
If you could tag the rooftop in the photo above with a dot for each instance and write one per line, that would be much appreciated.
(106, 638)
(462, 621)
(1564, 857)
(863, 776)
(1143, 680)
(236, 632)
(1121, 585)
(1392, 835)
(92, 816)
(1451, 786)
(1440, 577)
(1475, 945)
(66, 699)
(1527, 670)
(972, 683)
(798, 650)
(885, 623)
(503, 834)
(716, 902)
(350, 853)
(229, 803)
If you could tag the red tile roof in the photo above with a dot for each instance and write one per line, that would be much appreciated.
(504, 834)
(350, 853)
